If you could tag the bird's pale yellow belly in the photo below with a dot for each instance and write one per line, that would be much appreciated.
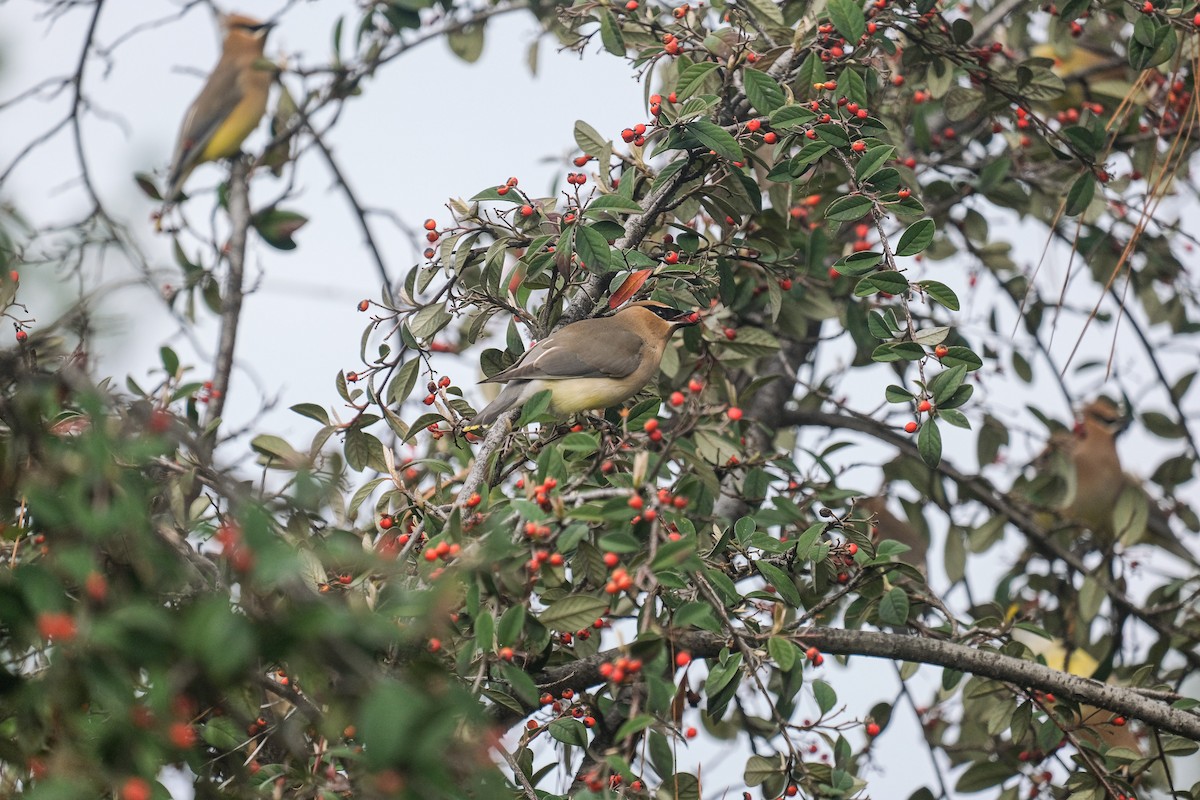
(583, 394)
(233, 131)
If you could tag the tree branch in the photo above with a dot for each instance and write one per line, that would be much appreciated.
(974, 660)
(231, 298)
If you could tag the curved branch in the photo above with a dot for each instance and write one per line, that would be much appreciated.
(902, 647)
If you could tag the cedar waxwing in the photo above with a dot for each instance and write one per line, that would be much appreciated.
(230, 105)
(1100, 485)
(593, 363)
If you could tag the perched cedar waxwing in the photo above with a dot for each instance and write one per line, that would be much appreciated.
(1096, 725)
(1100, 485)
(593, 363)
(230, 105)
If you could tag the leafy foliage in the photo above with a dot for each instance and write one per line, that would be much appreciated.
(404, 608)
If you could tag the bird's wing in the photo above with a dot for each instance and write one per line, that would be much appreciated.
(578, 351)
(218, 98)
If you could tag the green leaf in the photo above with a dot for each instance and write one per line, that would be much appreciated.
(633, 725)
(312, 411)
(573, 612)
(893, 607)
(873, 160)
(466, 42)
(613, 203)
(427, 322)
(781, 581)
(849, 208)
(534, 408)
(714, 136)
(276, 227)
(888, 281)
(916, 238)
(941, 293)
(761, 768)
(1080, 195)
(782, 652)
(833, 134)
(848, 18)
(590, 141)
(692, 77)
(983, 775)
(146, 183)
(929, 443)
(404, 382)
(610, 33)
(569, 731)
(763, 91)
(593, 249)
(960, 103)
(825, 696)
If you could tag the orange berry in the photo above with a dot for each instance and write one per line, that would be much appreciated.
(910, 427)
(734, 413)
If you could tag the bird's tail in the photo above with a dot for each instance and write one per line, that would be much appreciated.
(511, 396)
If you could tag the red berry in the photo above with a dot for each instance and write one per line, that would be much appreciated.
(770, 138)
(730, 333)
(904, 193)
(21, 336)
(695, 386)
(753, 125)
(677, 398)
(430, 225)
(631, 5)
(611, 560)
(734, 413)
(526, 210)
(683, 658)
(872, 729)
(671, 257)
(786, 284)
(859, 146)
(363, 305)
(910, 427)
(135, 789)
(691, 733)
(924, 406)
(636, 502)
(941, 350)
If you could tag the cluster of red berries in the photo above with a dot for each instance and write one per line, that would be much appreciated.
(206, 393)
(619, 581)
(635, 135)
(543, 558)
(814, 656)
(431, 233)
(620, 669)
(240, 557)
(678, 398)
(670, 44)
(541, 492)
(432, 387)
(443, 550)
(503, 189)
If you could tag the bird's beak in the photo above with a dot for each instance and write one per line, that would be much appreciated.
(685, 319)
